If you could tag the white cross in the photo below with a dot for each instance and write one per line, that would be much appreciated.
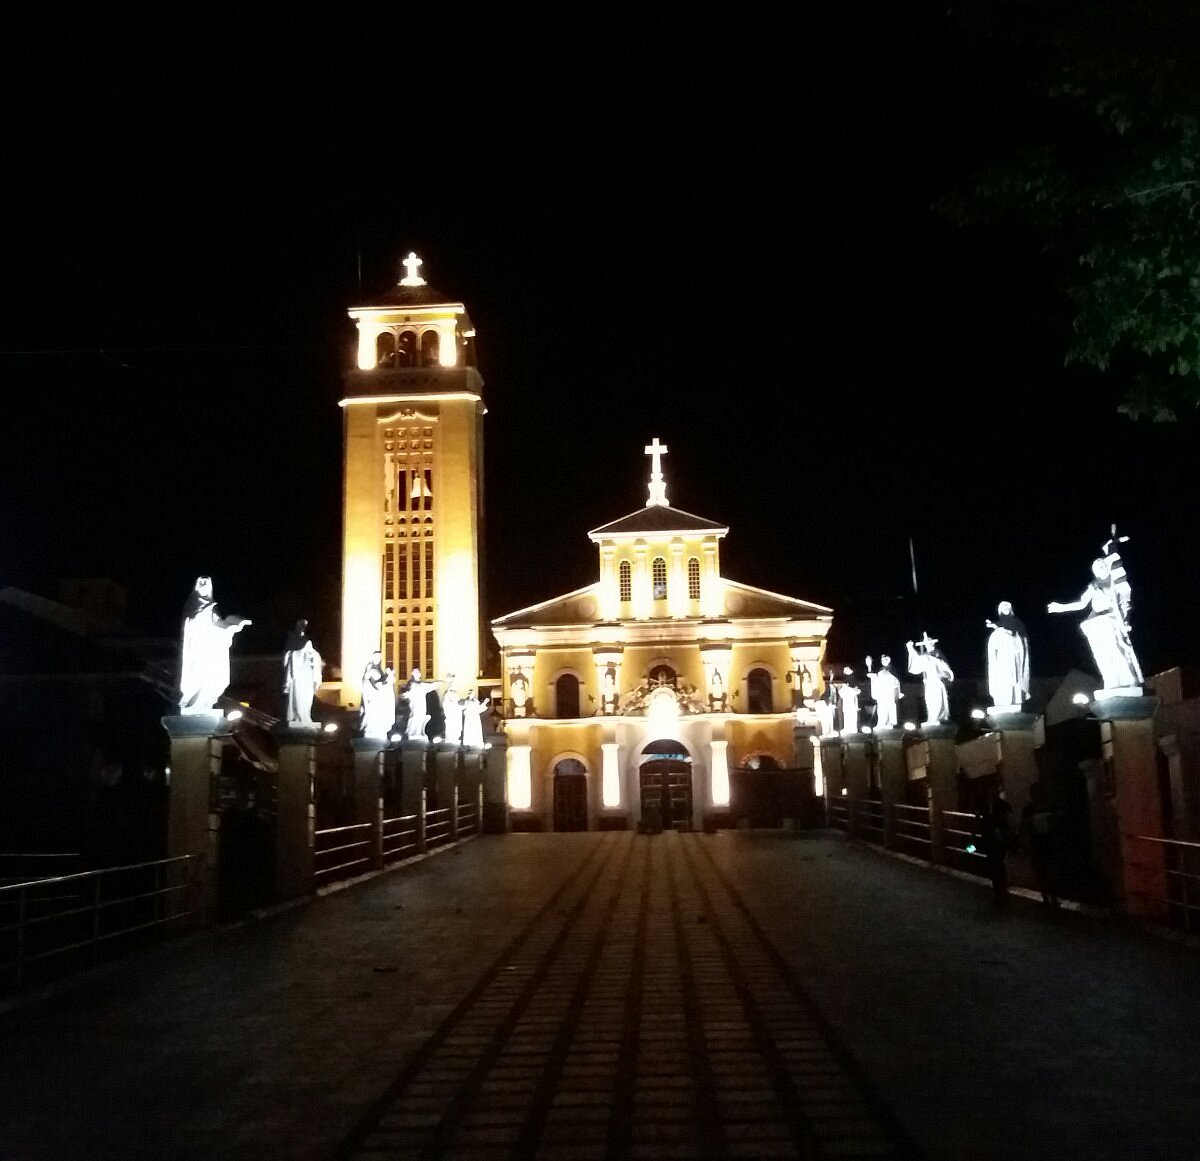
(658, 489)
(410, 264)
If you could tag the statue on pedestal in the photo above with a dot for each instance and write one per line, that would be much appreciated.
(1109, 601)
(826, 706)
(416, 693)
(934, 670)
(452, 711)
(378, 698)
(302, 666)
(1007, 659)
(885, 692)
(473, 710)
(519, 690)
(204, 656)
(609, 694)
(717, 699)
(848, 696)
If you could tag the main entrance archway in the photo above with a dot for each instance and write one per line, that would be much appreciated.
(665, 781)
(570, 795)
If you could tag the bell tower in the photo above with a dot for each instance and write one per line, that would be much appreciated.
(412, 487)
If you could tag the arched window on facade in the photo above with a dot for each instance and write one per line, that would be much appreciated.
(758, 692)
(663, 675)
(566, 696)
(385, 349)
(658, 577)
(625, 580)
(406, 349)
(694, 579)
(429, 349)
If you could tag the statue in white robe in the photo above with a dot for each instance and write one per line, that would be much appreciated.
(885, 692)
(1007, 659)
(302, 667)
(452, 711)
(204, 655)
(934, 670)
(378, 698)
(473, 710)
(1109, 601)
(848, 697)
(415, 692)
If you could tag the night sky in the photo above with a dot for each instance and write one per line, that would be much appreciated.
(717, 233)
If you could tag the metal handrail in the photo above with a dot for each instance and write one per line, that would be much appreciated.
(339, 829)
(97, 908)
(98, 871)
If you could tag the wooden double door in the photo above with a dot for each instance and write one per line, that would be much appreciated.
(666, 788)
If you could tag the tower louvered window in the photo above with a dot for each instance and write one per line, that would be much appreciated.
(409, 535)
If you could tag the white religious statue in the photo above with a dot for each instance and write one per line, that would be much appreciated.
(848, 697)
(934, 670)
(609, 695)
(1007, 660)
(378, 698)
(1109, 600)
(519, 690)
(885, 692)
(204, 656)
(717, 699)
(302, 667)
(452, 711)
(416, 692)
(826, 706)
(473, 710)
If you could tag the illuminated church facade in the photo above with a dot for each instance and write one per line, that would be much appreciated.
(642, 696)
(635, 698)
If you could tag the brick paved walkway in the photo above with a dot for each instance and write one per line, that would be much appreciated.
(617, 996)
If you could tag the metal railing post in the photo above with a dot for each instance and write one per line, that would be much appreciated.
(479, 808)
(377, 817)
(454, 815)
(421, 823)
(21, 936)
(96, 920)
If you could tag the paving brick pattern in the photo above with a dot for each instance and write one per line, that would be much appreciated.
(644, 1015)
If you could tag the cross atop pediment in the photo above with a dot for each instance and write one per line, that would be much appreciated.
(410, 264)
(658, 486)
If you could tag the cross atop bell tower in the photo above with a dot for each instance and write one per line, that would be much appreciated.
(658, 486)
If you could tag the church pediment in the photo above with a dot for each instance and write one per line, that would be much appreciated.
(657, 520)
(747, 602)
(576, 608)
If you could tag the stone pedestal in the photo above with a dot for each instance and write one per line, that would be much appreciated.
(413, 772)
(833, 767)
(1130, 775)
(893, 776)
(493, 773)
(295, 815)
(368, 792)
(193, 820)
(446, 772)
(858, 751)
(931, 754)
(1019, 738)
